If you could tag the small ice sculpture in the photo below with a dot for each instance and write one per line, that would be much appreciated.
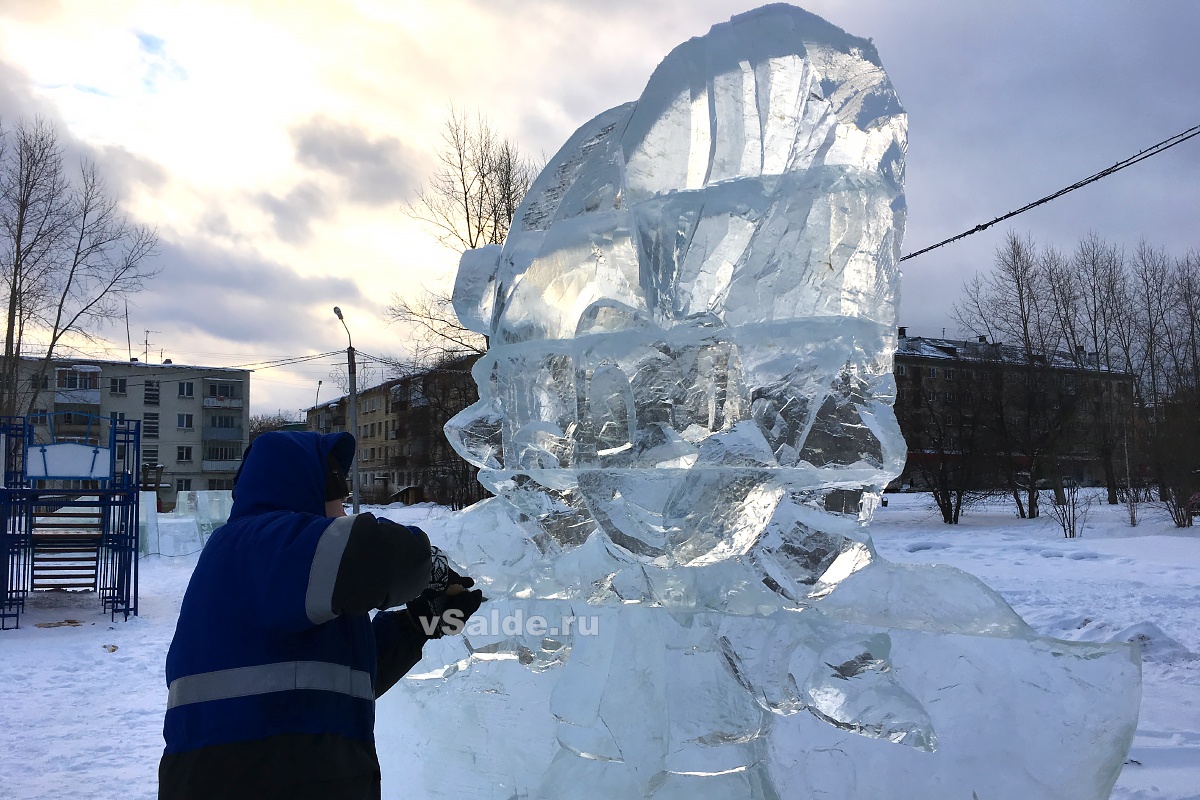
(685, 414)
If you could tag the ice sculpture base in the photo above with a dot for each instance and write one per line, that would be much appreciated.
(630, 701)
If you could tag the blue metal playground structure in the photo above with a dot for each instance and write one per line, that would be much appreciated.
(69, 510)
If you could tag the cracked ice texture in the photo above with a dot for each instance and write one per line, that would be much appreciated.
(691, 319)
(685, 414)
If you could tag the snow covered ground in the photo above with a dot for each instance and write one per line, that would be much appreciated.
(82, 697)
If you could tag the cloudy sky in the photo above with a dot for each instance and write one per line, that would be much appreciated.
(274, 143)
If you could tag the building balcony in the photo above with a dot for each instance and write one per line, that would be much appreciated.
(211, 434)
(220, 466)
(223, 402)
(77, 431)
(77, 397)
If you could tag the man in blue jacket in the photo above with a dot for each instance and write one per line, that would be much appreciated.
(275, 666)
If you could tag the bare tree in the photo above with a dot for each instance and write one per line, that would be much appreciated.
(1111, 319)
(1071, 511)
(946, 438)
(481, 178)
(1010, 303)
(1176, 435)
(1152, 304)
(339, 376)
(263, 423)
(438, 336)
(1086, 293)
(67, 254)
(1013, 304)
(470, 202)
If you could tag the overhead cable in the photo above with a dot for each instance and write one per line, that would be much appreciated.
(1153, 150)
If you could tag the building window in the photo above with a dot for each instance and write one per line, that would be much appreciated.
(224, 391)
(183, 484)
(119, 452)
(933, 372)
(185, 422)
(73, 418)
(117, 386)
(220, 484)
(150, 455)
(220, 452)
(931, 397)
(901, 370)
(150, 394)
(44, 382)
(39, 416)
(949, 397)
(227, 421)
(187, 389)
(117, 416)
(183, 453)
(949, 375)
(150, 425)
(902, 394)
(69, 379)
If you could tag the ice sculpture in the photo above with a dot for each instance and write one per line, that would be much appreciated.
(686, 417)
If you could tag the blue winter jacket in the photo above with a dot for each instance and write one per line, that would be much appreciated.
(274, 649)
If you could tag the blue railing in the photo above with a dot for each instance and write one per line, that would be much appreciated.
(39, 480)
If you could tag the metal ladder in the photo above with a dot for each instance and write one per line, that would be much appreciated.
(66, 547)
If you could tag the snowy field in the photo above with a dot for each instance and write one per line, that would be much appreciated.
(82, 698)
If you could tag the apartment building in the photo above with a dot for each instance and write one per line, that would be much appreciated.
(195, 419)
(983, 412)
(376, 435)
(402, 450)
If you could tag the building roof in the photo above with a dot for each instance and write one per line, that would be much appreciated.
(87, 361)
(983, 351)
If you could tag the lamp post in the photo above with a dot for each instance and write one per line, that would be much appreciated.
(353, 408)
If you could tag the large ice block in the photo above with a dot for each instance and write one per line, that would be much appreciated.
(686, 415)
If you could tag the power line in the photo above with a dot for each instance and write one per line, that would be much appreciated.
(283, 362)
(1153, 150)
(415, 369)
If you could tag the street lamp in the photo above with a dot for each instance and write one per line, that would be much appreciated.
(353, 409)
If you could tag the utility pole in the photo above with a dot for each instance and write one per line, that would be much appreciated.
(353, 409)
(128, 339)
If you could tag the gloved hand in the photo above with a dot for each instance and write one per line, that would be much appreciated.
(440, 612)
(446, 605)
(442, 575)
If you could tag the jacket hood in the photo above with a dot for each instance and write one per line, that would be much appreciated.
(285, 471)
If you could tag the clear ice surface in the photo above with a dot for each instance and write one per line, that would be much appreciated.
(686, 416)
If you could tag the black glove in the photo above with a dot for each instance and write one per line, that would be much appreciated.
(437, 612)
(441, 574)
